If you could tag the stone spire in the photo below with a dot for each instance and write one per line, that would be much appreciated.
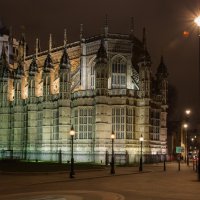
(10, 49)
(162, 69)
(50, 42)
(132, 27)
(106, 26)
(144, 54)
(162, 82)
(19, 72)
(5, 64)
(101, 71)
(81, 32)
(64, 61)
(48, 63)
(33, 67)
(102, 54)
(37, 48)
(144, 40)
(65, 37)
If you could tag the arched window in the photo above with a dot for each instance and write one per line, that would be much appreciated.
(92, 75)
(119, 73)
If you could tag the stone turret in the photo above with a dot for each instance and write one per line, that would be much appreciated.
(64, 75)
(162, 82)
(47, 70)
(101, 69)
(144, 70)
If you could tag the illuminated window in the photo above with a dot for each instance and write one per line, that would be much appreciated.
(55, 125)
(92, 75)
(155, 122)
(130, 124)
(83, 119)
(118, 125)
(119, 73)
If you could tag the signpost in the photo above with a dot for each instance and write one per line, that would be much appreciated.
(179, 150)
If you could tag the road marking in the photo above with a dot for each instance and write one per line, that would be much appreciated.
(63, 195)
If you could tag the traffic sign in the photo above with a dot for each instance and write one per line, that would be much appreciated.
(179, 149)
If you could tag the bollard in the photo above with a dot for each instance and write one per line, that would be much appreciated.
(193, 163)
(164, 165)
(179, 162)
(196, 165)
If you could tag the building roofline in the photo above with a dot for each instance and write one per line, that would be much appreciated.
(89, 40)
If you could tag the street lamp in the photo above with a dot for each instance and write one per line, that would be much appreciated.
(112, 171)
(72, 133)
(197, 22)
(186, 144)
(187, 112)
(192, 139)
(141, 139)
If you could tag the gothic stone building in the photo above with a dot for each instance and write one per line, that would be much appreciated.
(98, 85)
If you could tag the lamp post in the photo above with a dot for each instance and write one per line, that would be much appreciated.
(141, 139)
(186, 144)
(198, 171)
(112, 170)
(72, 133)
(192, 139)
(197, 22)
(164, 162)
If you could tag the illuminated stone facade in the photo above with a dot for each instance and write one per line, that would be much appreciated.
(99, 85)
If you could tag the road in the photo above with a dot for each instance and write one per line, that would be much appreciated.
(127, 184)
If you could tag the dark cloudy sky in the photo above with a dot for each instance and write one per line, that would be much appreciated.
(165, 21)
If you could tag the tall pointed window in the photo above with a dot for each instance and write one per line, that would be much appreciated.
(118, 122)
(84, 119)
(130, 134)
(119, 73)
(92, 75)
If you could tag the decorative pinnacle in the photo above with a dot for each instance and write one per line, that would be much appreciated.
(81, 31)
(106, 26)
(106, 20)
(36, 47)
(132, 25)
(50, 42)
(65, 37)
(24, 51)
(144, 39)
(10, 38)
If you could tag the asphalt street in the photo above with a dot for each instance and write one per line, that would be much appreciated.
(127, 184)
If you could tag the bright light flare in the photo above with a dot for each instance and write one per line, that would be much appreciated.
(197, 21)
(188, 111)
(186, 34)
(141, 138)
(112, 136)
(185, 125)
(72, 132)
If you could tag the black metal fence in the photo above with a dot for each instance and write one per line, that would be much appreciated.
(101, 158)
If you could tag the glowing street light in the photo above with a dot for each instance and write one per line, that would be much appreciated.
(186, 143)
(185, 126)
(141, 139)
(112, 171)
(197, 21)
(187, 112)
(72, 133)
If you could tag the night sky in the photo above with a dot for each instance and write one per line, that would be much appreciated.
(165, 22)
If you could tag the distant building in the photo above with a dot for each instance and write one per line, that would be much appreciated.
(99, 84)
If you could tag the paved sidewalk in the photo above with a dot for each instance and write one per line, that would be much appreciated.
(128, 183)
